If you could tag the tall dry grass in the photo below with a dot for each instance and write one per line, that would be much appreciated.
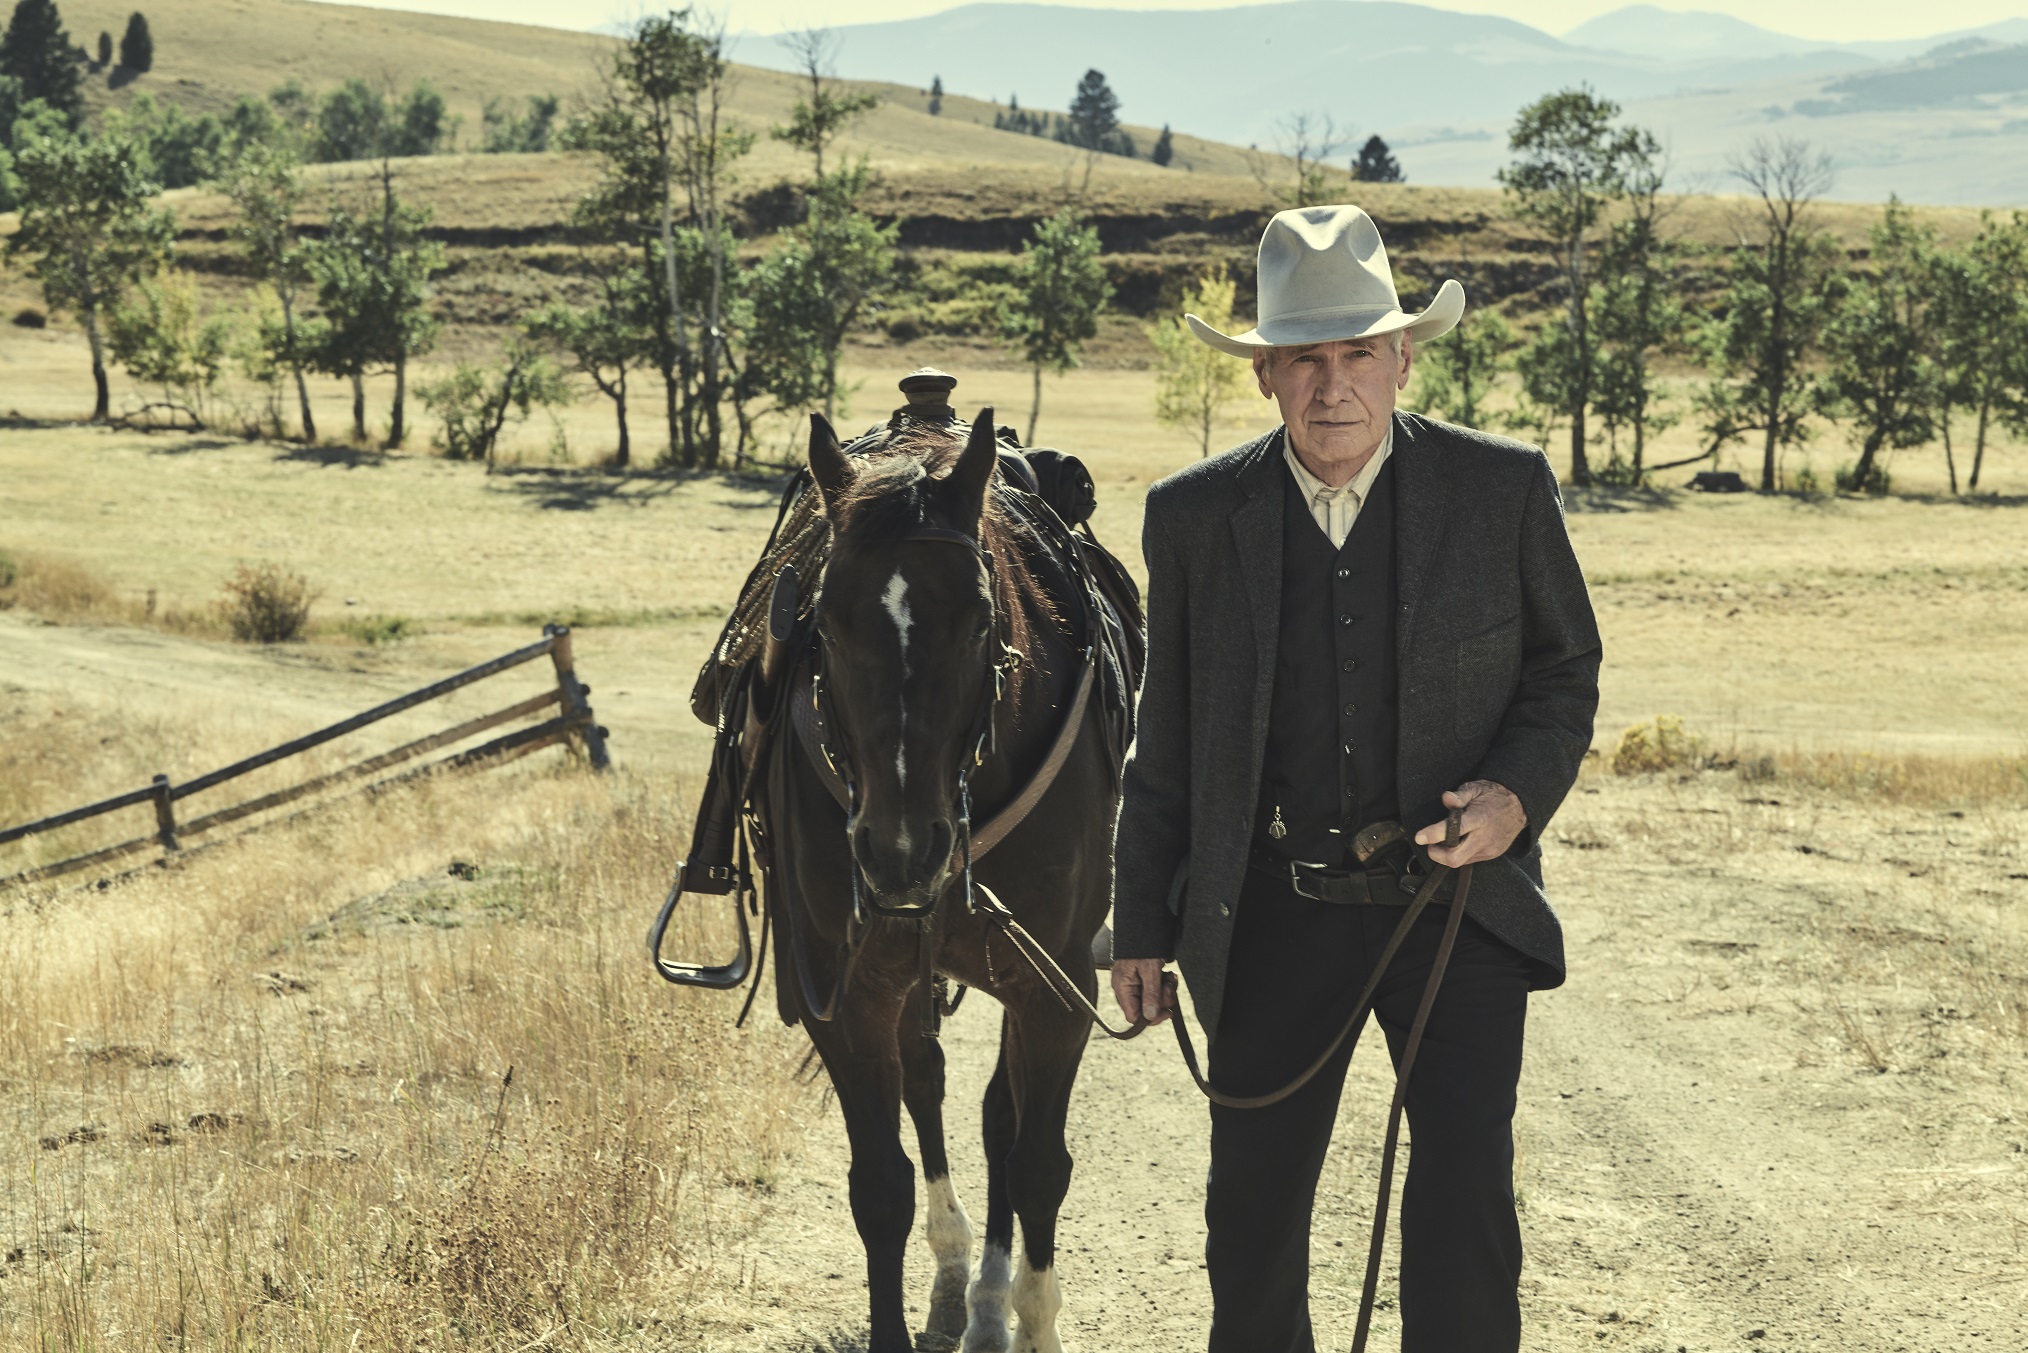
(310, 1090)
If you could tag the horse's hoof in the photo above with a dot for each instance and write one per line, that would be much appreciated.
(947, 1319)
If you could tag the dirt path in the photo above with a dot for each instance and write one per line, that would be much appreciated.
(1707, 1161)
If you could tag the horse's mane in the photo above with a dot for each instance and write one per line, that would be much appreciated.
(892, 494)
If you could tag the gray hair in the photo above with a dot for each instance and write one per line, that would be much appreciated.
(1393, 343)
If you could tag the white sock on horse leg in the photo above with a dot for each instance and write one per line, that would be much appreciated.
(949, 1232)
(1037, 1299)
(990, 1329)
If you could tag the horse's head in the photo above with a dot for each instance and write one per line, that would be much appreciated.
(907, 617)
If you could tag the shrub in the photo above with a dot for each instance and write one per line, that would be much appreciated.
(266, 604)
(1806, 483)
(10, 573)
(378, 629)
(475, 404)
(1877, 482)
(1661, 744)
(28, 317)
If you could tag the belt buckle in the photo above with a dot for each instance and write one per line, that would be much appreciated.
(1296, 879)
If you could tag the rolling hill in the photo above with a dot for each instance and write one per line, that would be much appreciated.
(1442, 87)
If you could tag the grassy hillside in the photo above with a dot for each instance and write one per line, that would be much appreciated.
(964, 193)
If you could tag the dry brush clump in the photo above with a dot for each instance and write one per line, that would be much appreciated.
(291, 1055)
(64, 591)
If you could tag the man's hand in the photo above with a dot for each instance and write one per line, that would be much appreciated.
(1143, 990)
(1493, 817)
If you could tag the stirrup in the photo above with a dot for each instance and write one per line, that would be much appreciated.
(716, 977)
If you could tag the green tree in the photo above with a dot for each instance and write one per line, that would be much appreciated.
(161, 333)
(1455, 374)
(182, 150)
(474, 404)
(358, 122)
(421, 125)
(1165, 148)
(1979, 317)
(137, 44)
(1639, 319)
(660, 130)
(1376, 163)
(1570, 162)
(1877, 344)
(295, 108)
(508, 133)
(372, 270)
(105, 57)
(820, 116)
(813, 290)
(266, 189)
(1779, 293)
(88, 230)
(936, 95)
(835, 263)
(1094, 121)
(35, 52)
(605, 339)
(1060, 289)
(1194, 382)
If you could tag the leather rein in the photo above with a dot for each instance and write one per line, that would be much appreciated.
(1068, 992)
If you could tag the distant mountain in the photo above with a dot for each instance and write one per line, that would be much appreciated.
(1443, 87)
(1669, 35)
(1373, 63)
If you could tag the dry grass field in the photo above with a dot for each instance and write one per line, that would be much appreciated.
(259, 1100)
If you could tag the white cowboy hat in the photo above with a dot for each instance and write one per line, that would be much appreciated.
(1324, 277)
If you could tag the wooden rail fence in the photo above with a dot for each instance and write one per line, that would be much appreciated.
(574, 721)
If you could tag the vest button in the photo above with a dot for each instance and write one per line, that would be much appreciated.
(1224, 909)
(1350, 664)
(1344, 572)
(1347, 619)
(1351, 709)
(1348, 749)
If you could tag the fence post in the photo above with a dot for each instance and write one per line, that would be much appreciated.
(165, 814)
(574, 692)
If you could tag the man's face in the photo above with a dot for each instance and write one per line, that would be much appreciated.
(1336, 397)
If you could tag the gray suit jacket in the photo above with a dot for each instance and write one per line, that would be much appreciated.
(1498, 658)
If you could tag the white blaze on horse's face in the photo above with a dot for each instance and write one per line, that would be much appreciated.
(895, 600)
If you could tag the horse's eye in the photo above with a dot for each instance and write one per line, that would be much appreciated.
(983, 628)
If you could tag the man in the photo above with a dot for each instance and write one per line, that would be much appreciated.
(1361, 617)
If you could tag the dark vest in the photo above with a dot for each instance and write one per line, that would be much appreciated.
(1330, 760)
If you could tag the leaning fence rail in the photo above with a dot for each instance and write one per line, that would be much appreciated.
(573, 721)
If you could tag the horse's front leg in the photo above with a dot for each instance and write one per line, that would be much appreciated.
(1044, 1046)
(947, 1228)
(860, 1051)
(990, 1304)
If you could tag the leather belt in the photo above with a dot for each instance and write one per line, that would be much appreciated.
(1378, 886)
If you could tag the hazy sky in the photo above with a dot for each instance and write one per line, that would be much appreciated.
(1849, 20)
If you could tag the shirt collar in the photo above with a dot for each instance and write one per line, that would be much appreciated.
(1360, 484)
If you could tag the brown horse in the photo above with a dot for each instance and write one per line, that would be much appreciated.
(956, 641)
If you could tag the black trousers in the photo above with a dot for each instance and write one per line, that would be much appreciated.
(1295, 970)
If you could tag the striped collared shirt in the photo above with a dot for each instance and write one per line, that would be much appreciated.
(1336, 509)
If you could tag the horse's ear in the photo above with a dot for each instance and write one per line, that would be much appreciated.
(974, 471)
(829, 465)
